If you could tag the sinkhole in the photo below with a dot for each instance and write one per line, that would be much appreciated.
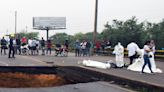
(52, 76)
(39, 76)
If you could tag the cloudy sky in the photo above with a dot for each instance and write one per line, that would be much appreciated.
(79, 13)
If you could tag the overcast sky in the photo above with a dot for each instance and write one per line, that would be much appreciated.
(79, 13)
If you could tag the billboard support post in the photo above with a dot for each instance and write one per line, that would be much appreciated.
(47, 29)
(49, 23)
(15, 24)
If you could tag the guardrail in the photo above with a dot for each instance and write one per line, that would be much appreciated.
(158, 53)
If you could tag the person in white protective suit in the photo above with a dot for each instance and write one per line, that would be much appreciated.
(119, 55)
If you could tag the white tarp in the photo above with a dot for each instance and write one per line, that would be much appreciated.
(96, 64)
(138, 64)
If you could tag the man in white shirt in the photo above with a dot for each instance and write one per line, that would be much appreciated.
(132, 48)
(33, 44)
(30, 45)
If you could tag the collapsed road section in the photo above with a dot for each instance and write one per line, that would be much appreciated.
(75, 75)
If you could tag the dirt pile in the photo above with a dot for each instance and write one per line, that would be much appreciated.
(22, 80)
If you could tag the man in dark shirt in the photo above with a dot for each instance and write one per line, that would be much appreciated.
(88, 46)
(3, 45)
(11, 48)
(66, 44)
(42, 43)
(18, 46)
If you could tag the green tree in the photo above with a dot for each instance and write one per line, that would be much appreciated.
(59, 38)
(123, 32)
(157, 34)
(28, 35)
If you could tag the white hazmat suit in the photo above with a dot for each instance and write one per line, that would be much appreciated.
(119, 55)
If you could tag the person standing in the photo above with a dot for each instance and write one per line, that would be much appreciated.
(147, 56)
(29, 46)
(33, 46)
(98, 45)
(3, 45)
(102, 47)
(49, 46)
(11, 48)
(77, 48)
(66, 44)
(119, 52)
(88, 47)
(152, 46)
(83, 47)
(42, 42)
(18, 46)
(37, 46)
(24, 41)
(132, 48)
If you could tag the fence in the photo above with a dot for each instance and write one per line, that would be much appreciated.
(158, 53)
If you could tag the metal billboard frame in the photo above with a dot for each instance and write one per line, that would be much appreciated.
(49, 23)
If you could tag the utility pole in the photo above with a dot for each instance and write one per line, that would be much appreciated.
(15, 23)
(26, 29)
(7, 32)
(47, 29)
(95, 22)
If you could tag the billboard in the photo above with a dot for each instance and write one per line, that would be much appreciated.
(52, 23)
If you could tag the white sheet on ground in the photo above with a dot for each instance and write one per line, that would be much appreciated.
(96, 64)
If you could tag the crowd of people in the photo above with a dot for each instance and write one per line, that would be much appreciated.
(85, 47)
(29, 46)
(32, 46)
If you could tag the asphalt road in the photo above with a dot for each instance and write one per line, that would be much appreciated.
(71, 60)
(83, 87)
(20, 60)
(50, 60)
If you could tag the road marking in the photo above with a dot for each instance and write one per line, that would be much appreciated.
(1, 62)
